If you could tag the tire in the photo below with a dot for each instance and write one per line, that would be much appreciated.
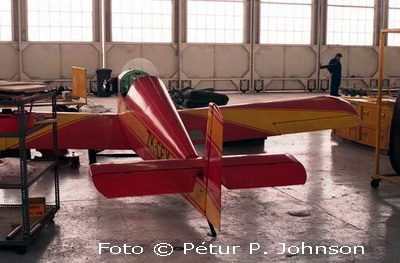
(394, 145)
(375, 183)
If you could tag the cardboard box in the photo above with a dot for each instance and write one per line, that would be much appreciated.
(37, 207)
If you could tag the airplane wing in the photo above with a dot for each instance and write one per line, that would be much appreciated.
(262, 120)
(241, 122)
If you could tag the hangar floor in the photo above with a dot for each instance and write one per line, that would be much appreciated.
(337, 207)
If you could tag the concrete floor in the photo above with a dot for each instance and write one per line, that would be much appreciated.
(342, 209)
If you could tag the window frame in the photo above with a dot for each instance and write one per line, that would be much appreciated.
(173, 27)
(244, 28)
(13, 11)
(312, 24)
(388, 21)
(96, 16)
(326, 20)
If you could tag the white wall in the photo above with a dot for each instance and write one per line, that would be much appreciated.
(219, 66)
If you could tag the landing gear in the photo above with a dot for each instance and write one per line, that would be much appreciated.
(375, 183)
(213, 232)
(92, 156)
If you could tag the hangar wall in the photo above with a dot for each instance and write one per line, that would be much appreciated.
(226, 67)
(219, 66)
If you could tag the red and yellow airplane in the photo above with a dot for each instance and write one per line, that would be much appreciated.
(148, 123)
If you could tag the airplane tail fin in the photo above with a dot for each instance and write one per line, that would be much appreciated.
(213, 165)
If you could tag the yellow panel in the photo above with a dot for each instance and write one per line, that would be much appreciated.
(79, 82)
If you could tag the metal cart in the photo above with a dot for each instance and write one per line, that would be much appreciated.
(22, 234)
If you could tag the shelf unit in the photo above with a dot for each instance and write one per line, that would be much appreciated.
(26, 229)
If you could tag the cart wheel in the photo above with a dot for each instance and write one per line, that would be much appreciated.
(21, 250)
(394, 145)
(375, 183)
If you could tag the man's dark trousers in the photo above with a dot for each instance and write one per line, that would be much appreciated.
(335, 84)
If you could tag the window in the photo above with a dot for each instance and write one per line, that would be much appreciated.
(394, 22)
(350, 22)
(215, 21)
(60, 20)
(5, 20)
(142, 20)
(285, 22)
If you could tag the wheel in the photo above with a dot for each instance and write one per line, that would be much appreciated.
(375, 183)
(21, 250)
(394, 145)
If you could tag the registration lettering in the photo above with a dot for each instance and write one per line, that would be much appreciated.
(156, 148)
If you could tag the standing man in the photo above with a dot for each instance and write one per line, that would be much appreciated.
(335, 69)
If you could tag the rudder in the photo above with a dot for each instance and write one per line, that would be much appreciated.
(213, 165)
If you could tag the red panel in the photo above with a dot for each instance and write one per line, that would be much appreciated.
(145, 178)
(159, 165)
(232, 132)
(240, 172)
(96, 131)
(9, 123)
(327, 103)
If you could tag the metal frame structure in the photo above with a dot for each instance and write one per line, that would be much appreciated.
(378, 176)
(23, 235)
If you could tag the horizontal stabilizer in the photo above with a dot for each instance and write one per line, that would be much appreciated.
(253, 171)
(179, 176)
(145, 178)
